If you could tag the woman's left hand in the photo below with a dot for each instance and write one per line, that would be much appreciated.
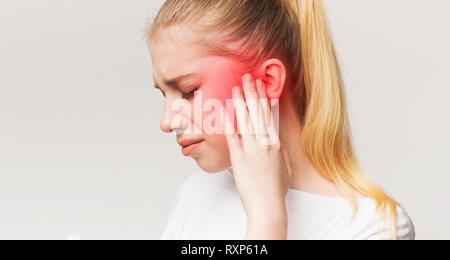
(260, 170)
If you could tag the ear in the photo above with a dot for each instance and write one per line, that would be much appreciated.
(273, 74)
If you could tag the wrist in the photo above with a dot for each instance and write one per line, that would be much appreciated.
(273, 217)
(266, 219)
(267, 211)
(267, 227)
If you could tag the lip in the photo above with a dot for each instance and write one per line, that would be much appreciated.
(188, 146)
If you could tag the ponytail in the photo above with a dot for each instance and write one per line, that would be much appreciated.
(326, 133)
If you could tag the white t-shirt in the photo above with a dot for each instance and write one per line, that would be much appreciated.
(208, 207)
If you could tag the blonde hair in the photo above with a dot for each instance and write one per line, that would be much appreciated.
(296, 32)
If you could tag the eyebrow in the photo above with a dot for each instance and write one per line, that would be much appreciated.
(175, 82)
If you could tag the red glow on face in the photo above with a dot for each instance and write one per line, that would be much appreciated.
(215, 78)
(215, 75)
(219, 78)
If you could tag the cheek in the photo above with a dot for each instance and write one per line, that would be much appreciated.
(220, 91)
(216, 145)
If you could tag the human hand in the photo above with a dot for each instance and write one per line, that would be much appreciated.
(260, 165)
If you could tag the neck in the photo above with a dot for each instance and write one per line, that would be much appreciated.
(304, 176)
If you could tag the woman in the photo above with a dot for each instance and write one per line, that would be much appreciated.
(285, 167)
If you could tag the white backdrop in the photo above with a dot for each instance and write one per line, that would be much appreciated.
(81, 153)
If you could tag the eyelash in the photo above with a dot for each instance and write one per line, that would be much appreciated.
(190, 94)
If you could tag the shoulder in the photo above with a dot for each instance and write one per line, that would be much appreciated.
(200, 187)
(380, 227)
(180, 205)
(185, 187)
(405, 226)
(195, 195)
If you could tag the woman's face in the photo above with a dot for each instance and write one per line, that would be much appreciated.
(179, 69)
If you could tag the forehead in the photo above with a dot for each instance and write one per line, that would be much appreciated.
(174, 52)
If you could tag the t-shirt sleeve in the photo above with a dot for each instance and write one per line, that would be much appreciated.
(405, 228)
(169, 232)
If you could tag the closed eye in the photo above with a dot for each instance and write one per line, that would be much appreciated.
(190, 94)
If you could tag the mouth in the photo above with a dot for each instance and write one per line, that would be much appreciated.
(189, 146)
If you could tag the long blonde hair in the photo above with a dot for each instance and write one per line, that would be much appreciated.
(296, 32)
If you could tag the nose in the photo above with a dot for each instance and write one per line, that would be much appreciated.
(172, 118)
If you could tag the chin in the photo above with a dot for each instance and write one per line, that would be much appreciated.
(213, 164)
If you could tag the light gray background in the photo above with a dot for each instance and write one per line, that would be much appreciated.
(81, 153)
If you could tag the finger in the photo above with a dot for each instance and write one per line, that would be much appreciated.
(242, 117)
(260, 87)
(272, 129)
(261, 128)
(251, 99)
(231, 136)
(266, 108)
(269, 134)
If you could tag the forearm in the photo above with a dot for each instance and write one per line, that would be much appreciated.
(270, 226)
